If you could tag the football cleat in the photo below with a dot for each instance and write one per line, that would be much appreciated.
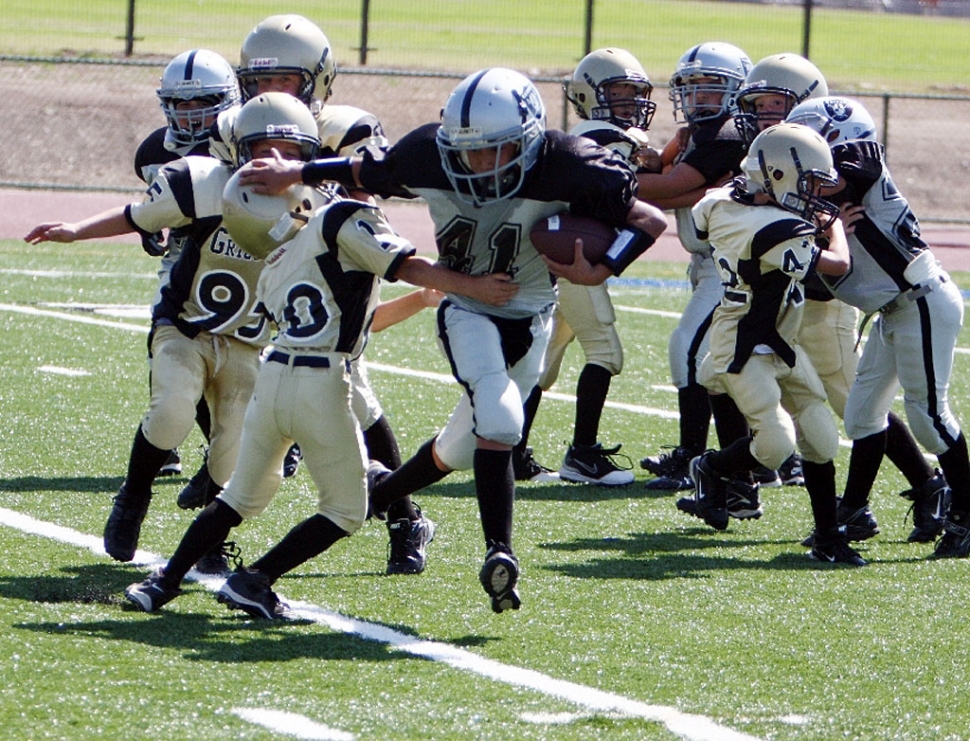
(408, 542)
(955, 542)
(220, 560)
(710, 495)
(123, 528)
(930, 503)
(790, 472)
(833, 547)
(150, 594)
(764, 476)
(671, 483)
(526, 468)
(594, 464)
(743, 502)
(673, 464)
(499, 576)
(172, 465)
(249, 590)
(193, 494)
(292, 461)
(859, 523)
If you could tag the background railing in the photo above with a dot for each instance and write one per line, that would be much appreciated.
(77, 84)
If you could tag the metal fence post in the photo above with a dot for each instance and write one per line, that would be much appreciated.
(588, 40)
(807, 29)
(364, 28)
(130, 30)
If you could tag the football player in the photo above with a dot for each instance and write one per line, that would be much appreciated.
(291, 54)
(917, 313)
(320, 288)
(763, 255)
(610, 92)
(206, 336)
(488, 172)
(195, 87)
(706, 152)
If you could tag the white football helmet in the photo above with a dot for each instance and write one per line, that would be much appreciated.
(260, 223)
(273, 116)
(288, 44)
(198, 75)
(788, 161)
(714, 68)
(589, 86)
(489, 109)
(788, 75)
(837, 119)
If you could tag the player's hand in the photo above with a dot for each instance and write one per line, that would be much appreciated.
(494, 289)
(51, 231)
(648, 159)
(581, 272)
(850, 214)
(272, 174)
(431, 297)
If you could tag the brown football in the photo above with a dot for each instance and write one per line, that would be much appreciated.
(555, 237)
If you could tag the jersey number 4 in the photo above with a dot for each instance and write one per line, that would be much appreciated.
(456, 242)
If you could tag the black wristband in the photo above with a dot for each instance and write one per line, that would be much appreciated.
(337, 169)
(629, 244)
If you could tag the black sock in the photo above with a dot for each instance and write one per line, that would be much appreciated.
(414, 474)
(202, 417)
(382, 444)
(530, 407)
(591, 391)
(867, 453)
(695, 417)
(495, 487)
(308, 539)
(207, 530)
(735, 458)
(956, 469)
(729, 422)
(904, 452)
(820, 483)
(144, 463)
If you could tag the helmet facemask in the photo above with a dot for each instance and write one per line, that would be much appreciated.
(636, 112)
(200, 76)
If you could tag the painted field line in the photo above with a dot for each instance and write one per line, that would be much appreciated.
(685, 725)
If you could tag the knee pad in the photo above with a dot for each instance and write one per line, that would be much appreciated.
(498, 409)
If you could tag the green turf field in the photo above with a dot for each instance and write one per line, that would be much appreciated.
(637, 622)
(859, 50)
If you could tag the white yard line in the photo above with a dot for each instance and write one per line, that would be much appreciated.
(684, 725)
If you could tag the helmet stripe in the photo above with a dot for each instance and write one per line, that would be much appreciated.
(189, 63)
(466, 103)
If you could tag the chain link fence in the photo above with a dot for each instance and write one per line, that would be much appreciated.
(74, 107)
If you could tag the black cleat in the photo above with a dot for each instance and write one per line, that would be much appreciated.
(408, 542)
(151, 594)
(193, 494)
(790, 472)
(671, 483)
(672, 464)
(833, 547)
(172, 465)
(594, 464)
(249, 590)
(743, 502)
(220, 560)
(526, 468)
(499, 576)
(859, 523)
(955, 542)
(764, 476)
(710, 495)
(123, 528)
(930, 503)
(292, 461)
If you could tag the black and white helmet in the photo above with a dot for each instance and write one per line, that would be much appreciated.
(786, 161)
(488, 110)
(285, 45)
(588, 90)
(835, 118)
(196, 75)
(715, 68)
(788, 75)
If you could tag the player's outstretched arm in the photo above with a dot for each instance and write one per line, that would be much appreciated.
(494, 289)
(395, 311)
(275, 174)
(108, 223)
